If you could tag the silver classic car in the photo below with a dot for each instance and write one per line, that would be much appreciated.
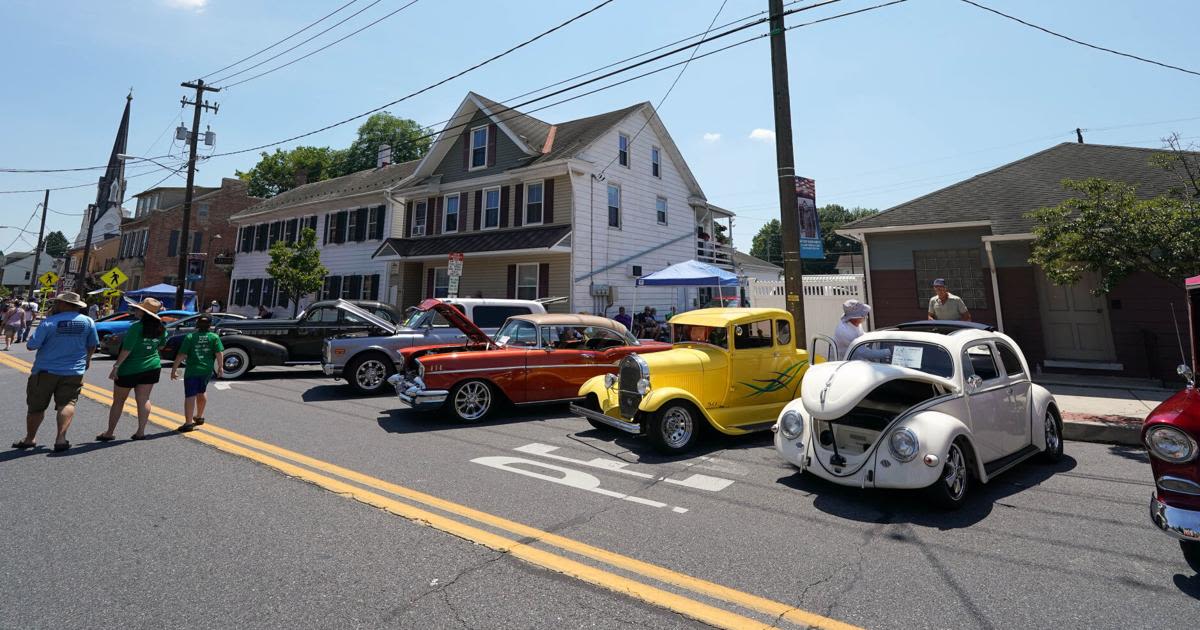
(366, 362)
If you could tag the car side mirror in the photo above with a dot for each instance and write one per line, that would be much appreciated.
(1185, 371)
(974, 381)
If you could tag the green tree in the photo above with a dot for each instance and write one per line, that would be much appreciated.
(408, 139)
(56, 244)
(279, 171)
(767, 244)
(296, 267)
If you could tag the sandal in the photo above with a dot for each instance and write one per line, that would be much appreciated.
(135, 437)
(58, 448)
(198, 421)
(186, 427)
(22, 445)
(105, 438)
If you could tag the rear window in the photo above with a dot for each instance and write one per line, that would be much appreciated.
(926, 357)
(492, 316)
(384, 314)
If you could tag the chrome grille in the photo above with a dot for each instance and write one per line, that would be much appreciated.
(631, 370)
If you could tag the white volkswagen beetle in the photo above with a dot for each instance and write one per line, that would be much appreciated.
(930, 404)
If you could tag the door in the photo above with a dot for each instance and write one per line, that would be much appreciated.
(989, 402)
(1017, 401)
(318, 324)
(1075, 322)
(765, 370)
(558, 366)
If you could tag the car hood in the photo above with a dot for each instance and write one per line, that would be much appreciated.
(680, 359)
(456, 319)
(831, 390)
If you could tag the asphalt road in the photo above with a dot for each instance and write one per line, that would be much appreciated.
(174, 532)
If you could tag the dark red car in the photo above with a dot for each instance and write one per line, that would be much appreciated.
(1171, 434)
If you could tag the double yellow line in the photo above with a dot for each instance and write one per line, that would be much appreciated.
(334, 478)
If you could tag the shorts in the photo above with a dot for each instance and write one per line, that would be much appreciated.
(149, 377)
(193, 385)
(43, 386)
(12, 330)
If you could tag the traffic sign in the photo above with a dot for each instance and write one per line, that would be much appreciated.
(48, 279)
(111, 292)
(114, 277)
(454, 272)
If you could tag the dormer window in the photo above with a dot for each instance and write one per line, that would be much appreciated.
(479, 147)
(623, 150)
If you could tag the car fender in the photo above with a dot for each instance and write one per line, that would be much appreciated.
(656, 398)
(261, 351)
(390, 353)
(594, 385)
(1041, 400)
(935, 431)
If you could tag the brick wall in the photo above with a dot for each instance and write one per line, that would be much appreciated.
(1139, 310)
(1022, 315)
(894, 293)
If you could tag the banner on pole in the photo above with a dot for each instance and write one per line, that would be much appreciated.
(811, 246)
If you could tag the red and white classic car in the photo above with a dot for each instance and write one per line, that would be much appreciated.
(532, 359)
(1171, 433)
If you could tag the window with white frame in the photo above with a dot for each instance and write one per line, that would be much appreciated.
(479, 147)
(655, 162)
(451, 214)
(623, 150)
(527, 281)
(660, 210)
(491, 208)
(418, 228)
(533, 203)
(614, 206)
(441, 282)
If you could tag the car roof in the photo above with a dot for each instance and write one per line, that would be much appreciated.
(954, 342)
(567, 319)
(721, 317)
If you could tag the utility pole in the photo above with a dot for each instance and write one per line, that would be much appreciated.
(37, 251)
(789, 217)
(185, 245)
(81, 274)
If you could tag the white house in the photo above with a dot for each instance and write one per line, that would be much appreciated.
(17, 271)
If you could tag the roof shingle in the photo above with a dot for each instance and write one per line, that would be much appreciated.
(369, 180)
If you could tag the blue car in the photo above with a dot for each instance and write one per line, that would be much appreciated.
(120, 322)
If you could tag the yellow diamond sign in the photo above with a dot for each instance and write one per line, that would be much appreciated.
(48, 279)
(114, 277)
(112, 292)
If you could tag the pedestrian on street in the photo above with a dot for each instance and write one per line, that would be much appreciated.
(94, 310)
(202, 355)
(215, 307)
(947, 306)
(30, 315)
(623, 318)
(137, 367)
(64, 343)
(14, 322)
(854, 313)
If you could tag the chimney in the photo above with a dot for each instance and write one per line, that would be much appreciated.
(301, 176)
(1079, 135)
(384, 156)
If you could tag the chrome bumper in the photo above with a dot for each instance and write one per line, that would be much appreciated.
(1179, 523)
(331, 370)
(628, 427)
(413, 394)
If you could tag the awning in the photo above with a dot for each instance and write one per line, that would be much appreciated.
(690, 273)
(546, 238)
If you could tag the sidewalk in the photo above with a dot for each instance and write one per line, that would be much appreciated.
(1105, 414)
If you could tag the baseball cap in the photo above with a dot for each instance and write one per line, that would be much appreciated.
(940, 282)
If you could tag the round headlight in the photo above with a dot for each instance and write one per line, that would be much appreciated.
(643, 386)
(1170, 444)
(610, 380)
(791, 425)
(904, 444)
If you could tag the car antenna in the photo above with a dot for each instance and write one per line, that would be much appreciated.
(1184, 369)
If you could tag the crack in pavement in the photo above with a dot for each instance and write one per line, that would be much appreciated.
(441, 587)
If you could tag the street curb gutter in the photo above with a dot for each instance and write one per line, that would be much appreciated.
(1104, 429)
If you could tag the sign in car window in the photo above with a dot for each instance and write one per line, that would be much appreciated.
(908, 356)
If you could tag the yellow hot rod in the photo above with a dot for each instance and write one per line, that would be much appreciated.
(731, 368)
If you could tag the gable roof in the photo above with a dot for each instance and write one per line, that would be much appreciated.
(526, 127)
(742, 259)
(364, 181)
(1003, 196)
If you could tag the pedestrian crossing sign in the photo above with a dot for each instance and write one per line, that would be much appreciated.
(114, 277)
(48, 279)
(108, 293)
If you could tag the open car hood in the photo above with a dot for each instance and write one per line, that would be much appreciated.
(456, 319)
(366, 316)
(831, 390)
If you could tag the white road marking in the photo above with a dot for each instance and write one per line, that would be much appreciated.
(222, 385)
(570, 477)
(695, 481)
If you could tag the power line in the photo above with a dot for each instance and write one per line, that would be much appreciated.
(68, 170)
(282, 53)
(1080, 42)
(36, 190)
(327, 16)
(309, 54)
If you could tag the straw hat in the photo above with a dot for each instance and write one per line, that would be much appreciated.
(71, 298)
(149, 306)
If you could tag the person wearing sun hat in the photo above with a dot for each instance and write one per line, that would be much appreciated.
(137, 367)
(64, 343)
(854, 313)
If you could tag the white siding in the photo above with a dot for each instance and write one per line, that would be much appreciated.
(596, 246)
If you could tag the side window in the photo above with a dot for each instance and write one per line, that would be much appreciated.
(783, 331)
(523, 334)
(1012, 363)
(322, 316)
(494, 316)
(983, 364)
(752, 335)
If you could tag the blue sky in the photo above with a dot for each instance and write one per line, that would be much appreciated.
(886, 105)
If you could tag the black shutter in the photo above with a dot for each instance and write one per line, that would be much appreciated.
(519, 205)
(293, 230)
(548, 202)
(374, 288)
(173, 244)
(491, 147)
(478, 209)
(343, 220)
(466, 149)
(254, 298)
(504, 206)
(312, 223)
(543, 280)
(512, 282)
(462, 212)
(239, 292)
(361, 229)
(408, 218)
(268, 292)
(260, 237)
(429, 282)
(334, 287)
(435, 206)
(355, 287)
(328, 223)
(378, 218)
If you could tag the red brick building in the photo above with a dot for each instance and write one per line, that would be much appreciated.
(149, 249)
(976, 234)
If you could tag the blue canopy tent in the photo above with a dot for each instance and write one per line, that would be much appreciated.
(689, 273)
(164, 293)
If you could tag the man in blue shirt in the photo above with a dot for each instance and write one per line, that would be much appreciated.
(64, 342)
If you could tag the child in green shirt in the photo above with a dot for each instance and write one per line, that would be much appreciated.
(201, 353)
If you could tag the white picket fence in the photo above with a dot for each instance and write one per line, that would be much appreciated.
(823, 297)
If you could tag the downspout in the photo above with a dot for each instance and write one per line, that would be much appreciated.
(987, 245)
(866, 251)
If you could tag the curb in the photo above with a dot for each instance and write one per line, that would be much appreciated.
(1104, 429)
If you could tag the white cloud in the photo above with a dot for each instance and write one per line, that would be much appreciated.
(193, 5)
(712, 137)
(764, 135)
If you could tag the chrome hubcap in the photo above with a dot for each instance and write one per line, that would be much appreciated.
(955, 475)
(677, 427)
(1052, 439)
(472, 400)
(370, 374)
(233, 363)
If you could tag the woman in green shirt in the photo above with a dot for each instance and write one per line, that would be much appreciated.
(137, 367)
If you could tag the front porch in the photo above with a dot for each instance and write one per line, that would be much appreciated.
(714, 236)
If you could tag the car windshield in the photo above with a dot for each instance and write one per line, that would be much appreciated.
(517, 332)
(420, 319)
(711, 335)
(926, 357)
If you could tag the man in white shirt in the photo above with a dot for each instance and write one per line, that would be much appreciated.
(215, 307)
(854, 313)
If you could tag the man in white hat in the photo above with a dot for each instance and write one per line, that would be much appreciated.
(64, 343)
(215, 307)
(854, 313)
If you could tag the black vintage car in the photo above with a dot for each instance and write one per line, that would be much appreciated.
(254, 342)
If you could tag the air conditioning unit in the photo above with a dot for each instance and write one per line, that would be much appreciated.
(635, 271)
